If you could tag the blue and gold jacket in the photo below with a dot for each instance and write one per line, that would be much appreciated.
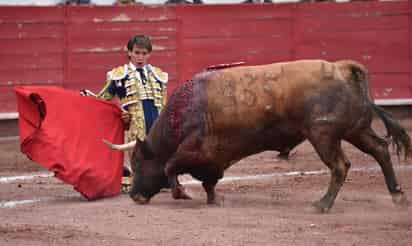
(127, 84)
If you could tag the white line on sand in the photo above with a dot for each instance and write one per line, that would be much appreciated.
(8, 139)
(11, 179)
(288, 174)
(10, 204)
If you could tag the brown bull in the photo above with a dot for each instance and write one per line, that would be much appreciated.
(222, 116)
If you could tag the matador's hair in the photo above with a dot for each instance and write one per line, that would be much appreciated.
(141, 41)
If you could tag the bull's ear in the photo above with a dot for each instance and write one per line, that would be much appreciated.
(146, 150)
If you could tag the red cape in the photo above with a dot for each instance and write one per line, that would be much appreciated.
(63, 131)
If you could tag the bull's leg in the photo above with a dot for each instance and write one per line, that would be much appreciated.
(331, 153)
(368, 142)
(207, 173)
(210, 191)
(284, 154)
(176, 165)
(178, 191)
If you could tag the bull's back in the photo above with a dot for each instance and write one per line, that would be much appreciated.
(246, 97)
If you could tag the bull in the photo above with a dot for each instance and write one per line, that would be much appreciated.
(224, 115)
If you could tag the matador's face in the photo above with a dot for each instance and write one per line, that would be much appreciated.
(139, 56)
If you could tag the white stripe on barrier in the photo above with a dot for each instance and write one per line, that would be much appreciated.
(10, 204)
(393, 102)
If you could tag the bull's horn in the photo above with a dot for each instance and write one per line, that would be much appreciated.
(123, 147)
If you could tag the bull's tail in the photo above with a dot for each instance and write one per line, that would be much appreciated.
(358, 74)
(395, 132)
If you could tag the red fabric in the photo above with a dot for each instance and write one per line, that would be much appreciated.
(63, 131)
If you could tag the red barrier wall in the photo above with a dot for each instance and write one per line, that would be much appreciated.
(75, 46)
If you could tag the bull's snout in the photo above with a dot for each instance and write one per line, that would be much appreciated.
(138, 198)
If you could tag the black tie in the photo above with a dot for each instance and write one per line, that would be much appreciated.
(141, 72)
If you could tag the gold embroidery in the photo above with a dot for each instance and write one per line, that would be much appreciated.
(154, 88)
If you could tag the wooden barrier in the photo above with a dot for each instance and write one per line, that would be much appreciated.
(74, 46)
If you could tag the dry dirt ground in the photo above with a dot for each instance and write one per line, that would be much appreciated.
(268, 210)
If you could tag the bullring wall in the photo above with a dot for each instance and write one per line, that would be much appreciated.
(74, 46)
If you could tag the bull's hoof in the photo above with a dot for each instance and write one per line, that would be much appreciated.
(321, 207)
(180, 193)
(400, 200)
(140, 199)
(218, 200)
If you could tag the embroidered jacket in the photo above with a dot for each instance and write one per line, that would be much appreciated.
(127, 83)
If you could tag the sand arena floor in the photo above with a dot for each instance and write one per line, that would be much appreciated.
(267, 201)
